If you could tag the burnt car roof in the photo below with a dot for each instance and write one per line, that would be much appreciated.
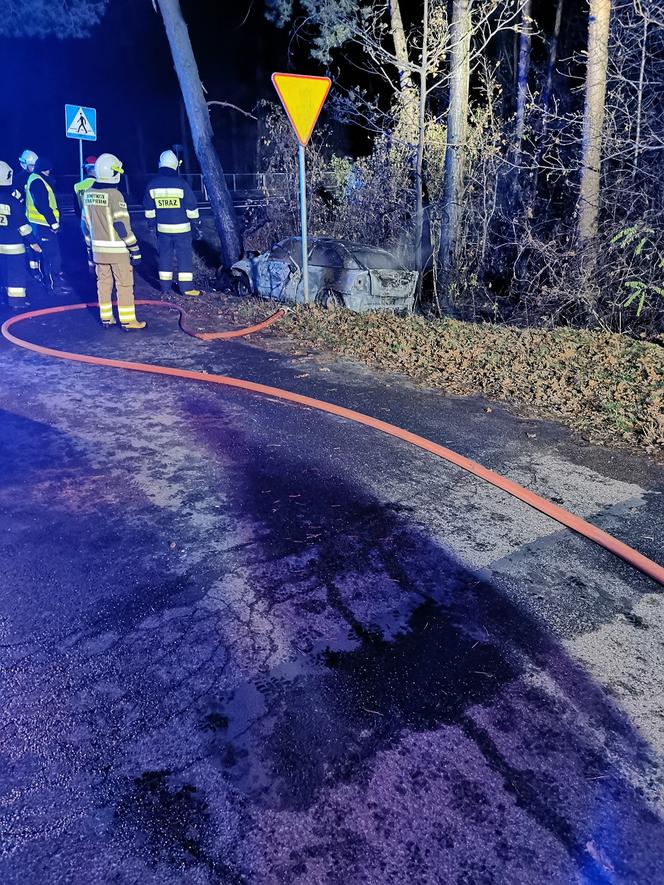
(353, 248)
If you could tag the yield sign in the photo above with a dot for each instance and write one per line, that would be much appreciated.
(303, 98)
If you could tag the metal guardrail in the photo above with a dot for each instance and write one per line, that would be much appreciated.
(237, 182)
(247, 188)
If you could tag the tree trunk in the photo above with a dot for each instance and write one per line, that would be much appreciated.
(593, 121)
(201, 129)
(642, 77)
(551, 62)
(522, 79)
(400, 44)
(546, 103)
(419, 158)
(406, 127)
(457, 133)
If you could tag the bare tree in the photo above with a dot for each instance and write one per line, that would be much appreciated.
(525, 40)
(552, 58)
(593, 121)
(457, 135)
(201, 129)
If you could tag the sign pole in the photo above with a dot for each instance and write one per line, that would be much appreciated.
(80, 156)
(303, 97)
(303, 220)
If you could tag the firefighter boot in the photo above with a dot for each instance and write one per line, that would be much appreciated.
(134, 324)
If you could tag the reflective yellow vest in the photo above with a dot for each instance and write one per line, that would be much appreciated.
(31, 210)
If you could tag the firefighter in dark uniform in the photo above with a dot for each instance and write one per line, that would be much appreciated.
(15, 232)
(43, 213)
(170, 204)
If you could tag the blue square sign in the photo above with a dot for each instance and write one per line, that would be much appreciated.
(80, 122)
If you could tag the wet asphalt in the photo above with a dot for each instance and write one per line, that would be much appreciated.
(244, 642)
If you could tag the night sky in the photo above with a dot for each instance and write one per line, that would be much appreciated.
(125, 70)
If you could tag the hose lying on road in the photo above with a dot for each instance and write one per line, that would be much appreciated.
(628, 554)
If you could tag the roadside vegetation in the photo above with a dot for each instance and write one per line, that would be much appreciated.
(512, 154)
(607, 386)
(510, 150)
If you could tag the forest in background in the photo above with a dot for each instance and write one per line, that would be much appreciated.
(514, 152)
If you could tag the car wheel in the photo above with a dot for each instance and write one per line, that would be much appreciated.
(243, 286)
(329, 299)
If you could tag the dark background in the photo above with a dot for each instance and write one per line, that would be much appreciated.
(125, 70)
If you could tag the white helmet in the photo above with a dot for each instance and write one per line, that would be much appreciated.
(6, 173)
(108, 169)
(28, 158)
(169, 160)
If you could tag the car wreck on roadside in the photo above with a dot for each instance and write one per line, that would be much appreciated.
(341, 274)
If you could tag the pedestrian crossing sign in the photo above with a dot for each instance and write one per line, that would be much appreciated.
(80, 122)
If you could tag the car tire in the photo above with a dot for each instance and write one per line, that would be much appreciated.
(329, 299)
(243, 286)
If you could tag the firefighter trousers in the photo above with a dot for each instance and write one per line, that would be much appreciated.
(121, 273)
(176, 247)
(51, 262)
(13, 271)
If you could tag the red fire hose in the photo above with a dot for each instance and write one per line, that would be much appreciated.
(613, 545)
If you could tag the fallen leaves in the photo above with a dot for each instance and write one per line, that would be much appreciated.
(607, 386)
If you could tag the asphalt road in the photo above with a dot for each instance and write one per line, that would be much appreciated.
(241, 641)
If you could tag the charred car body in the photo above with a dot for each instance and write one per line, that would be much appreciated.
(341, 274)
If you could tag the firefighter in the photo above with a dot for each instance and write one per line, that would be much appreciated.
(82, 186)
(15, 232)
(170, 204)
(111, 243)
(41, 208)
(27, 160)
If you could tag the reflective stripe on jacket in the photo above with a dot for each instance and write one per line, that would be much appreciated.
(170, 200)
(106, 224)
(35, 216)
(14, 229)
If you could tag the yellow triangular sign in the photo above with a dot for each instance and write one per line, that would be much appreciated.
(303, 98)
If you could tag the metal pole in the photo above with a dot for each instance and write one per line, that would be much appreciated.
(80, 155)
(303, 222)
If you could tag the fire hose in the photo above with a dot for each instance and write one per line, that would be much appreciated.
(576, 524)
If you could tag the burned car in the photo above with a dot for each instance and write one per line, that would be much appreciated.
(341, 274)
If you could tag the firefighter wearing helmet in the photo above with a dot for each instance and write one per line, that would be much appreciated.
(15, 232)
(112, 245)
(171, 206)
(27, 162)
